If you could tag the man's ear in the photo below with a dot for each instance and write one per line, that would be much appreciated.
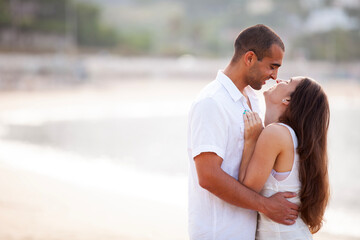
(249, 58)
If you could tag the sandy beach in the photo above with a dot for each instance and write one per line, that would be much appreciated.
(52, 194)
(34, 206)
(40, 207)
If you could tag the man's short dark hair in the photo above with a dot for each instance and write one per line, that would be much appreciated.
(259, 39)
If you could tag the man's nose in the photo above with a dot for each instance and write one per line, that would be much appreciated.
(274, 74)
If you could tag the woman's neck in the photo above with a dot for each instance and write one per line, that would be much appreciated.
(272, 114)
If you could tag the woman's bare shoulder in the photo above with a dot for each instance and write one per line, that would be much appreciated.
(277, 133)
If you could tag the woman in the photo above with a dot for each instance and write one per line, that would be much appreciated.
(290, 154)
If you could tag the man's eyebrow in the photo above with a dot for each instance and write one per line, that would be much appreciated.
(276, 64)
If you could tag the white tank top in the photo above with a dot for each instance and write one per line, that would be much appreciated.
(270, 230)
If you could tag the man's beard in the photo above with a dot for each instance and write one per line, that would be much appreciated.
(253, 79)
(254, 82)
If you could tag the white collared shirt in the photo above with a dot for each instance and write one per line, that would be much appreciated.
(216, 125)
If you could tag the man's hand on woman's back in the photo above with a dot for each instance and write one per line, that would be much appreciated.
(280, 210)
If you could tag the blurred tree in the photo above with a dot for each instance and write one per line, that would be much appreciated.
(89, 29)
(176, 27)
(335, 45)
(34, 15)
(5, 18)
(61, 17)
(134, 43)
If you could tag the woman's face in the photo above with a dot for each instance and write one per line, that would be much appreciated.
(281, 90)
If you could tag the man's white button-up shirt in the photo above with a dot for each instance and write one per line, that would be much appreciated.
(216, 125)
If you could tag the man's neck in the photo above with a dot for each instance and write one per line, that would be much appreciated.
(236, 77)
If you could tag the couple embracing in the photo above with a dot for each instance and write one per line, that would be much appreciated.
(246, 181)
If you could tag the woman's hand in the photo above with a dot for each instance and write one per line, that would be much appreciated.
(253, 127)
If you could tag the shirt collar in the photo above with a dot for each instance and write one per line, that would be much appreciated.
(230, 87)
(250, 92)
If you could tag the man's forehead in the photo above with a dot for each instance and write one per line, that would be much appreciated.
(275, 54)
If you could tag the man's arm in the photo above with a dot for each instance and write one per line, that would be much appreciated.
(215, 180)
(208, 142)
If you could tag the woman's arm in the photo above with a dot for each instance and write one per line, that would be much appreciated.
(252, 129)
(269, 146)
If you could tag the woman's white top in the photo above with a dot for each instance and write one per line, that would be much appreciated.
(270, 230)
(280, 175)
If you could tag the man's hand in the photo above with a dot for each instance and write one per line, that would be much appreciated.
(280, 210)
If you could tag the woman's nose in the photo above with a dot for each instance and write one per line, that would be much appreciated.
(279, 80)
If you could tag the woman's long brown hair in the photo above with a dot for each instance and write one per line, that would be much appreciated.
(308, 114)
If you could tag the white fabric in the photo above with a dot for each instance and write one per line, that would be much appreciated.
(216, 125)
(279, 175)
(269, 230)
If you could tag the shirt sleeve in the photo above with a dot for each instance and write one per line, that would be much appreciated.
(208, 128)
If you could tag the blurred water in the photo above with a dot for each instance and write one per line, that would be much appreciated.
(344, 160)
(142, 143)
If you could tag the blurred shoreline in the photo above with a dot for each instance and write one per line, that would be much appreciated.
(30, 72)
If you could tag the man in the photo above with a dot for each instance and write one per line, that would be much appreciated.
(219, 206)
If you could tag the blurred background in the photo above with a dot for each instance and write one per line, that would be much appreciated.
(94, 97)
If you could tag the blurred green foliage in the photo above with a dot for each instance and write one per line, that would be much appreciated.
(204, 28)
(134, 42)
(209, 27)
(335, 45)
(63, 17)
(5, 19)
(89, 30)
